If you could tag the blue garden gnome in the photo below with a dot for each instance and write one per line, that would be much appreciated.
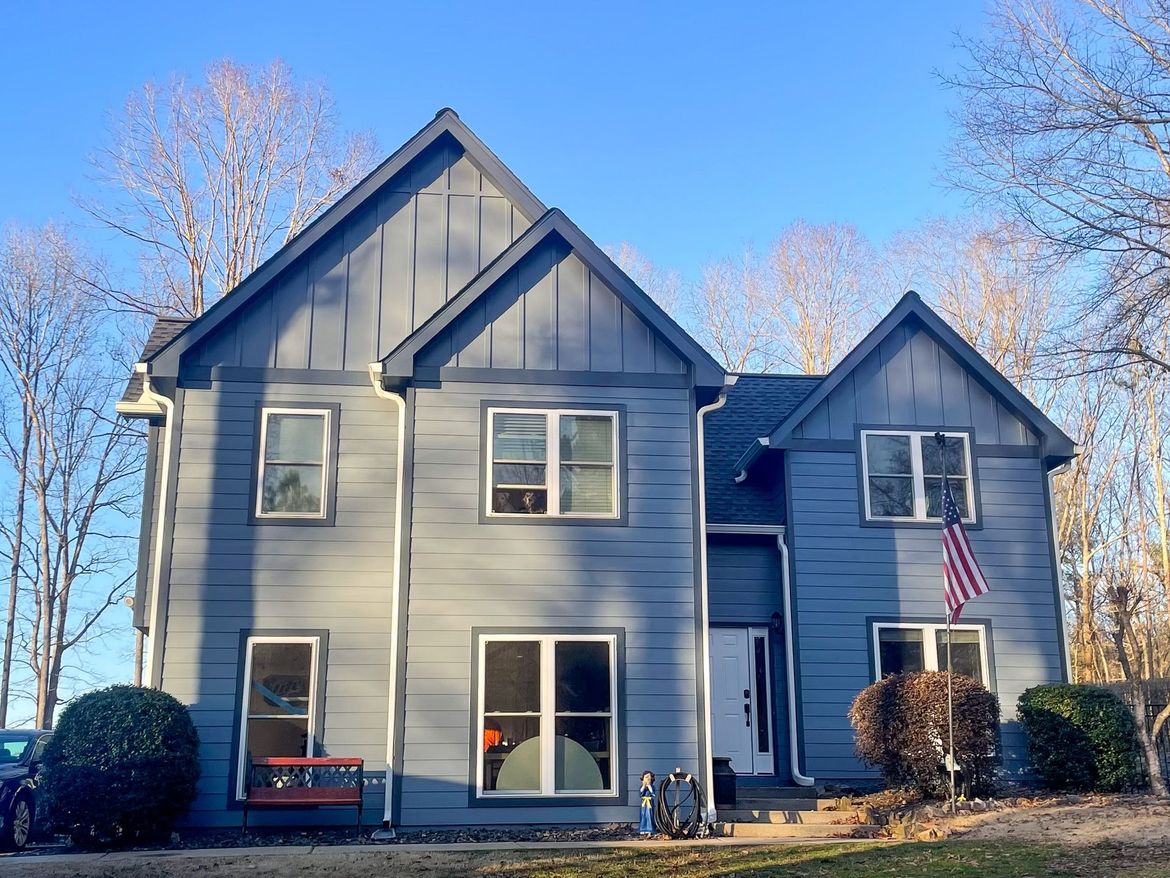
(646, 822)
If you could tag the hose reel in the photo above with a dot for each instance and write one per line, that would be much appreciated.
(681, 806)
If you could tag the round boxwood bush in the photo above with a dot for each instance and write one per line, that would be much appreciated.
(121, 767)
(1081, 738)
(900, 726)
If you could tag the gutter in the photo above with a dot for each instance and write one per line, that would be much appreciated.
(381, 392)
(152, 402)
(704, 592)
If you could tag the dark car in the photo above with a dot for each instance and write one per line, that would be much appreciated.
(20, 763)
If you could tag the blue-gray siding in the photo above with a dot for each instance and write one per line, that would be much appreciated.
(844, 573)
(743, 578)
(552, 312)
(465, 574)
(909, 379)
(227, 576)
(360, 291)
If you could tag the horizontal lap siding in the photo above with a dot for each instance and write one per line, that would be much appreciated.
(743, 578)
(844, 573)
(464, 574)
(227, 576)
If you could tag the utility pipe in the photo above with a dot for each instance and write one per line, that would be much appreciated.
(381, 392)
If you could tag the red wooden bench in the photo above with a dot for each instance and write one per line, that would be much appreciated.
(308, 781)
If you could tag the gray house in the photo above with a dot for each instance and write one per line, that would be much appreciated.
(440, 487)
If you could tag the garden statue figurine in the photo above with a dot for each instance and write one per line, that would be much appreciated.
(646, 822)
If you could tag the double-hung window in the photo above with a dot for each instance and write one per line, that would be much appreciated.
(278, 711)
(560, 463)
(547, 711)
(905, 647)
(292, 475)
(902, 474)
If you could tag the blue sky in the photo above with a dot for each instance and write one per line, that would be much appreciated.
(686, 130)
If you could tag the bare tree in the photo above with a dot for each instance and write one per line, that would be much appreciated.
(821, 286)
(732, 314)
(1066, 125)
(68, 540)
(210, 178)
(664, 286)
(990, 282)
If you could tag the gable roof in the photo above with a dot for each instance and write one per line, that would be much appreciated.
(445, 123)
(1057, 446)
(753, 403)
(399, 363)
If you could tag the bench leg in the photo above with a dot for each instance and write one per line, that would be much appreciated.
(244, 828)
(359, 818)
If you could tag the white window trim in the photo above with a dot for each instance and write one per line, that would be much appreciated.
(264, 413)
(246, 692)
(929, 650)
(548, 717)
(917, 477)
(552, 463)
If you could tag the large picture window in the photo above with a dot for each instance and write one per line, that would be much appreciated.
(903, 475)
(905, 647)
(292, 477)
(278, 712)
(552, 463)
(547, 708)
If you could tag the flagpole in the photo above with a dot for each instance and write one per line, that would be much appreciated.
(941, 439)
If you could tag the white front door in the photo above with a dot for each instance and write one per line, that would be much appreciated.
(741, 701)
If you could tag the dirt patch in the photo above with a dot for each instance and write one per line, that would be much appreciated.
(1127, 820)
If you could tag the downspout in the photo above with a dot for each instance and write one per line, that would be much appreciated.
(395, 587)
(790, 658)
(154, 652)
(1051, 501)
(705, 645)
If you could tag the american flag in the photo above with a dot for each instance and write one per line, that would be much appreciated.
(962, 578)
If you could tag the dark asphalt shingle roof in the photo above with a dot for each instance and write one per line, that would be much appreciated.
(164, 329)
(755, 404)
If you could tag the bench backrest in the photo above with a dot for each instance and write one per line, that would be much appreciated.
(305, 780)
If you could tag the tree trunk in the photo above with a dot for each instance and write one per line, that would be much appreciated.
(14, 570)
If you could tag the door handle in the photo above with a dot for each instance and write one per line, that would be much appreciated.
(747, 715)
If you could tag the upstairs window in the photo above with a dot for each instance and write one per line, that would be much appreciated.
(903, 475)
(292, 475)
(554, 463)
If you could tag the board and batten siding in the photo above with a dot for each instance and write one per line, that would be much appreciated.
(227, 576)
(844, 573)
(552, 312)
(465, 574)
(363, 288)
(910, 379)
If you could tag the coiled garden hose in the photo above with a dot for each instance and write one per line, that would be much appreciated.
(681, 807)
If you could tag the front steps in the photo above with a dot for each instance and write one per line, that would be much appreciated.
(790, 813)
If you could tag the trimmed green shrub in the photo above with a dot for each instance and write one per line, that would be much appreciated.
(121, 767)
(1081, 738)
(900, 726)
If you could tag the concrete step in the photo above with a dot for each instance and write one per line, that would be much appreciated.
(769, 815)
(795, 830)
(754, 802)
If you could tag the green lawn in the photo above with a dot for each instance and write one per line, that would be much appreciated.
(955, 859)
